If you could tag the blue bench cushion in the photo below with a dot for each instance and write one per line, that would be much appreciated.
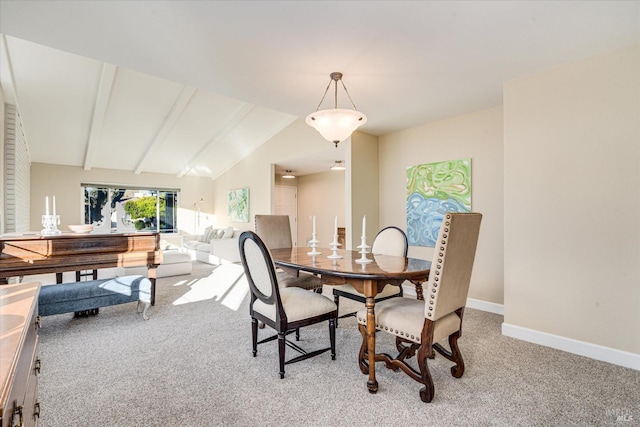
(77, 296)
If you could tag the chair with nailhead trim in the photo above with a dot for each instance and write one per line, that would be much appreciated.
(420, 325)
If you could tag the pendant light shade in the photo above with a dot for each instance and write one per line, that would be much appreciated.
(336, 124)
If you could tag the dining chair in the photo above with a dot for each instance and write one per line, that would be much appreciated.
(285, 310)
(420, 325)
(389, 241)
(275, 232)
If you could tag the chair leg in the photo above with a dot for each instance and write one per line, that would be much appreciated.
(254, 335)
(362, 355)
(281, 345)
(298, 334)
(332, 337)
(458, 370)
(336, 300)
(427, 392)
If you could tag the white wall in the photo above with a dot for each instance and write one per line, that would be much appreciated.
(572, 205)
(477, 135)
(363, 194)
(322, 195)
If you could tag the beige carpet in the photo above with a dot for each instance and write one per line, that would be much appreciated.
(191, 365)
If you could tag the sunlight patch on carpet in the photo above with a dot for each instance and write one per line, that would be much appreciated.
(226, 284)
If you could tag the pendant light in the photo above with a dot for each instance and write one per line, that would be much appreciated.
(336, 124)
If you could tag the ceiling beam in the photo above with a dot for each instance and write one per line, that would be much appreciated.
(7, 79)
(99, 111)
(228, 127)
(9, 88)
(180, 104)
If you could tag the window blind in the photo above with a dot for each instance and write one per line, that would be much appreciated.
(17, 171)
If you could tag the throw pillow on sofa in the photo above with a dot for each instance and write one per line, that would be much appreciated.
(209, 233)
(228, 233)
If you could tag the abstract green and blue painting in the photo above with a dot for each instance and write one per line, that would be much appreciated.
(433, 189)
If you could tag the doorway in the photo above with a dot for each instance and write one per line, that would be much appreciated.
(286, 203)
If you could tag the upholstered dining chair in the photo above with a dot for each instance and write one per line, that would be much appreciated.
(275, 232)
(284, 309)
(420, 325)
(389, 241)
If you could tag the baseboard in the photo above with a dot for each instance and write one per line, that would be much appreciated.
(491, 307)
(581, 348)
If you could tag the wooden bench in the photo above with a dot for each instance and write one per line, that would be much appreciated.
(93, 294)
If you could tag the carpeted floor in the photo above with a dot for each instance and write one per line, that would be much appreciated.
(191, 365)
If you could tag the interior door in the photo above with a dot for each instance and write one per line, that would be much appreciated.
(286, 199)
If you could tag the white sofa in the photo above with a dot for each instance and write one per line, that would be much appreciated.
(174, 263)
(214, 246)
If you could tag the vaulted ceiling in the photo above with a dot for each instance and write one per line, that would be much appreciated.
(191, 87)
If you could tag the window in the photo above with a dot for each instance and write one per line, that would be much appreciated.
(129, 209)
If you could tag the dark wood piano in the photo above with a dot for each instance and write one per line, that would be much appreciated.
(28, 254)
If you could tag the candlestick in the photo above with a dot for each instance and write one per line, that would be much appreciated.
(363, 251)
(54, 205)
(334, 245)
(46, 204)
(364, 226)
(313, 243)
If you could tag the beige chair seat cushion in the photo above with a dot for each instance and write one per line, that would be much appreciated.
(404, 317)
(387, 291)
(298, 304)
(304, 280)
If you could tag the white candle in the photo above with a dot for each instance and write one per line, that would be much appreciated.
(46, 205)
(314, 226)
(54, 205)
(364, 226)
(335, 226)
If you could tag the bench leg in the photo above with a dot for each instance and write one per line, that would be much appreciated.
(86, 313)
(143, 310)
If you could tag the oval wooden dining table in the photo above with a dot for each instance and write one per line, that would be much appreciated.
(367, 278)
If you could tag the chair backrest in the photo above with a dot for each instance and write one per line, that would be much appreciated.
(274, 230)
(260, 272)
(452, 264)
(390, 241)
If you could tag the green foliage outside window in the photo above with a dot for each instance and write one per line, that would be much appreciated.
(148, 209)
(144, 207)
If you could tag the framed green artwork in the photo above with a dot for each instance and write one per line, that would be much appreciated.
(238, 205)
(433, 189)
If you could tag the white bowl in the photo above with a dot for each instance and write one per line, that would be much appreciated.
(81, 228)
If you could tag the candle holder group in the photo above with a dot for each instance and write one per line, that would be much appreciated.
(334, 245)
(50, 224)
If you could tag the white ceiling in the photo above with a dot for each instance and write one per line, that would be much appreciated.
(169, 86)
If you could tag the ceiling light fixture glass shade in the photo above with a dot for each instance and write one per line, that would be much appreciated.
(336, 124)
(288, 175)
(338, 166)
